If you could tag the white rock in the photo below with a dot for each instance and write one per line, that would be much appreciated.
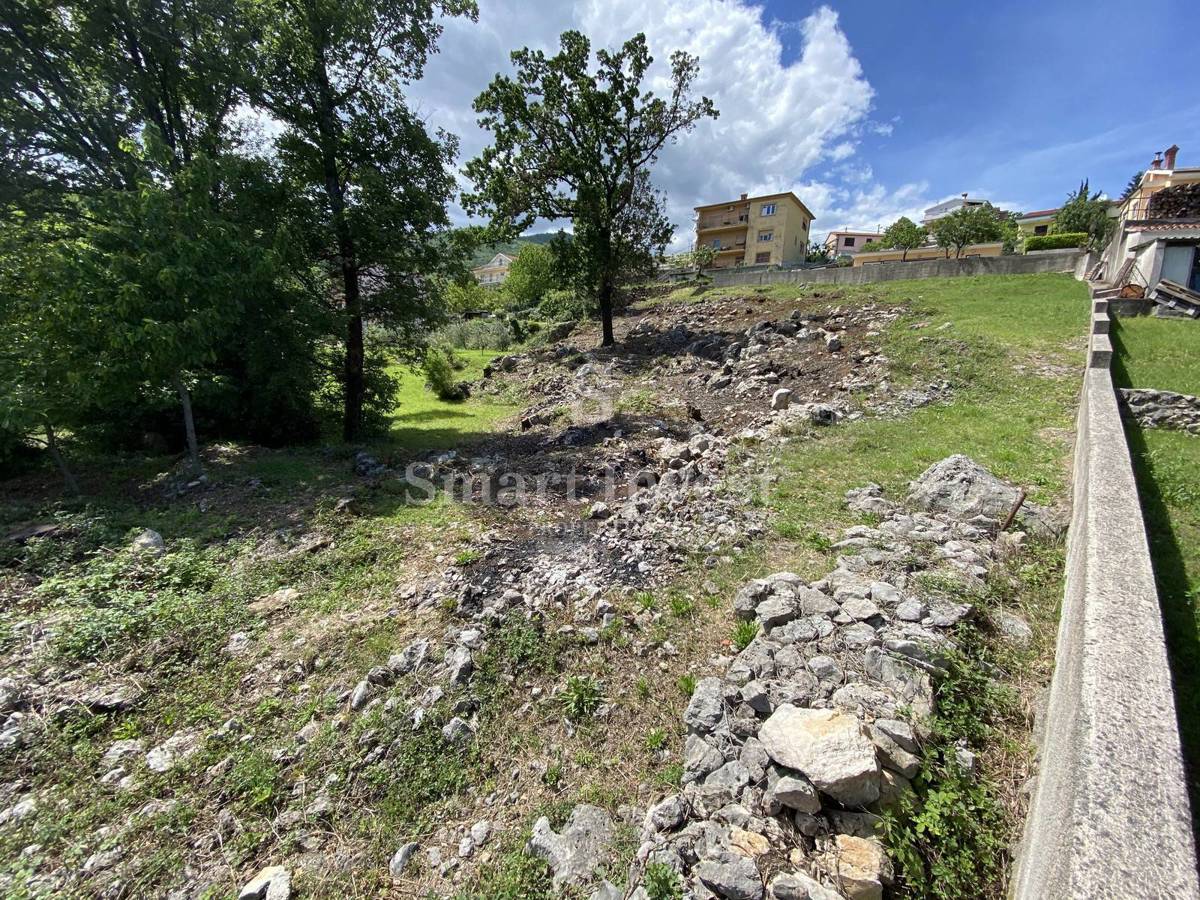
(828, 746)
(271, 883)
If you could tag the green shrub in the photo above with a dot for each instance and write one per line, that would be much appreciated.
(476, 334)
(1063, 241)
(439, 375)
(563, 306)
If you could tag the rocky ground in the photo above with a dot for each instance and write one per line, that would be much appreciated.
(405, 745)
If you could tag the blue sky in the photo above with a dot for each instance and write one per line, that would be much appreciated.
(868, 110)
(1022, 100)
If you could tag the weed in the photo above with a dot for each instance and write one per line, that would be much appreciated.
(819, 542)
(743, 634)
(656, 739)
(466, 557)
(515, 875)
(642, 688)
(553, 775)
(687, 684)
(582, 696)
(645, 600)
(671, 775)
(661, 882)
(682, 606)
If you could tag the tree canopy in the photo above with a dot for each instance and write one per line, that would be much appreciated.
(573, 141)
(904, 234)
(1084, 213)
(965, 226)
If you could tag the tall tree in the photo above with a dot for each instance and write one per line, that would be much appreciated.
(1085, 212)
(965, 226)
(82, 82)
(372, 182)
(576, 142)
(904, 234)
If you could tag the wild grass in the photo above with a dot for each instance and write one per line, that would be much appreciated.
(1165, 354)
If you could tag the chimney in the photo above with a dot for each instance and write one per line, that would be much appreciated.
(1169, 156)
(1156, 163)
(744, 196)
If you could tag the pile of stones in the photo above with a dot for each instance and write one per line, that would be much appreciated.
(815, 728)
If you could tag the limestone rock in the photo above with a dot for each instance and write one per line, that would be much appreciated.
(798, 886)
(574, 853)
(272, 883)
(829, 747)
(862, 867)
(400, 859)
(706, 708)
(731, 875)
(961, 488)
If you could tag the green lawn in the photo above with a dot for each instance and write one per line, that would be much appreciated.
(1165, 354)
(1012, 347)
(422, 421)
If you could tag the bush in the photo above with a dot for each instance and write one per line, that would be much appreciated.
(476, 334)
(564, 306)
(1067, 240)
(439, 375)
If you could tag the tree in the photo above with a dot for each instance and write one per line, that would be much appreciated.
(531, 274)
(904, 234)
(82, 84)
(154, 291)
(966, 225)
(1134, 183)
(575, 143)
(817, 253)
(1084, 213)
(372, 183)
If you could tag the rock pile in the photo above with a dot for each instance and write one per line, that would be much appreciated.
(816, 726)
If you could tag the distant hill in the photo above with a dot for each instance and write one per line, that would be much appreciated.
(512, 248)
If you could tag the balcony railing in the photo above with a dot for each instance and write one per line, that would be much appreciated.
(728, 221)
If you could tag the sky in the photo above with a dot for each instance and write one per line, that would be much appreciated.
(869, 111)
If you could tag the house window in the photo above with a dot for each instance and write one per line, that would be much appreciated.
(716, 243)
(762, 257)
(1040, 229)
(848, 242)
(768, 209)
(764, 236)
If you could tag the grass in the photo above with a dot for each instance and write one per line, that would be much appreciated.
(1165, 354)
(422, 421)
(1012, 351)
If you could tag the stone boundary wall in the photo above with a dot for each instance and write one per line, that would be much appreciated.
(1027, 264)
(1110, 816)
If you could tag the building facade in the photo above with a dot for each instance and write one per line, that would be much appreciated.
(848, 243)
(1035, 223)
(943, 209)
(494, 271)
(755, 231)
(1158, 228)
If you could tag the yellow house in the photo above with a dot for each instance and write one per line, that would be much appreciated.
(882, 256)
(494, 271)
(1034, 223)
(755, 231)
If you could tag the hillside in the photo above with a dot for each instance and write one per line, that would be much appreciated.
(512, 248)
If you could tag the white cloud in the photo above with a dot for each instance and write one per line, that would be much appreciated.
(779, 121)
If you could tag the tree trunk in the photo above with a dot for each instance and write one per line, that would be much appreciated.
(56, 455)
(353, 370)
(606, 310)
(189, 425)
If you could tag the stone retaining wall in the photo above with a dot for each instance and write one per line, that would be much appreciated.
(1110, 815)
(1027, 264)
(1162, 409)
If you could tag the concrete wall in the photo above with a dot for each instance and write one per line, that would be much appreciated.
(1110, 815)
(1047, 261)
